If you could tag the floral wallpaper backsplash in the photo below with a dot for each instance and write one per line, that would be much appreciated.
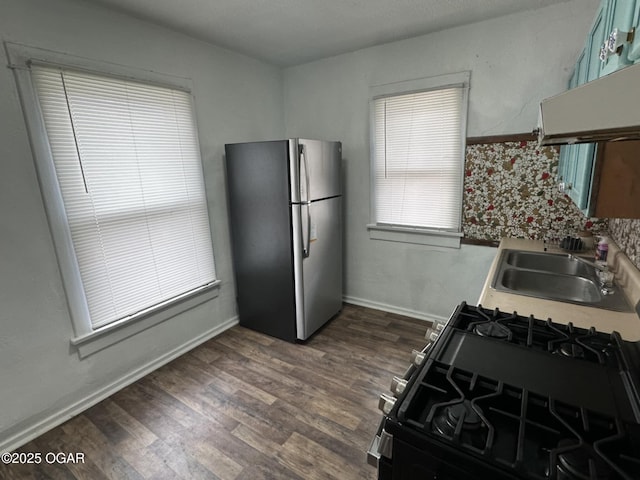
(626, 233)
(510, 190)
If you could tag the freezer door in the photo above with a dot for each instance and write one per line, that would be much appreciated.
(316, 169)
(319, 275)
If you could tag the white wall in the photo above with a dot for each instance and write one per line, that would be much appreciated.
(237, 99)
(515, 61)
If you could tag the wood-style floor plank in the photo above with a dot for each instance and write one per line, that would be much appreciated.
(243, 406)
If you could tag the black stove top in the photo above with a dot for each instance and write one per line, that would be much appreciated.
(527, 398)
(546, 336)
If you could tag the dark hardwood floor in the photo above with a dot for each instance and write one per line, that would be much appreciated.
(243, 406)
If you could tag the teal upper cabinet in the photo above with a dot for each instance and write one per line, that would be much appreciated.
(595, 41)
(569, 154)
(634, 48)
(583, 176)
(579, 159)
(577, 162)
(566, 162)
(619, 22)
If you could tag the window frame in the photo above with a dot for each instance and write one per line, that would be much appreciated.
(404, 233)
(86, 338)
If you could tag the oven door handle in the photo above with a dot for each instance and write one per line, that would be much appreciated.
(381, 445)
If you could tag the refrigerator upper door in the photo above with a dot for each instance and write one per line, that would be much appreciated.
(318, 276)
(316, 170)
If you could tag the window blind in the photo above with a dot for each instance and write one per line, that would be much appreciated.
(418, 155)
(127, 161)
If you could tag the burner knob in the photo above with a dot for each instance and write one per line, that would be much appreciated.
(398, 385)
(386, 403)
(418, 357)
(431, 334)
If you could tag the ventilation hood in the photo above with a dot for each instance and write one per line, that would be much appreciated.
(607, 108)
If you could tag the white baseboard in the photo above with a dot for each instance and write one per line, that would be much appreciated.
(57, 418)
(393, 309)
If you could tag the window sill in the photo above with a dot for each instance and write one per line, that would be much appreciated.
(113, 333)
(418, 236)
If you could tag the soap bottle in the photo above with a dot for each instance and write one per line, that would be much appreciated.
(602, 249)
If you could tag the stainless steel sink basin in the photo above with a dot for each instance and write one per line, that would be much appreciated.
(546, 262)
(550, 285)
(554, 277)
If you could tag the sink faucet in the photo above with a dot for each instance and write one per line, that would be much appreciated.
(605, 276)
(601, 267)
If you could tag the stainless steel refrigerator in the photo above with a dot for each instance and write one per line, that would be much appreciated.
(285, 210)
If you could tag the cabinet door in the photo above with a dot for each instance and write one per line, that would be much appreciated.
(581, 156)
(617, 195)
(634, 48)
(620, 16)
(583, 173)
(563, 163)
(566, 166)
(573, 81)
(583, 68)
(595, 40)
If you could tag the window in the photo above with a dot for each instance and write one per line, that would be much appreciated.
(418, 139)
(120, 168)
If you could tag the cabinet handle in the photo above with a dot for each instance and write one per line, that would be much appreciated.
(563, 187)
(615, 42)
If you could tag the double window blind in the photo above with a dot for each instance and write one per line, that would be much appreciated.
(128, 166)
(418, 155)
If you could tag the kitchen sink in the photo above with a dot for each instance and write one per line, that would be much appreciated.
(545, 262)
(550, 285)
(558, 277)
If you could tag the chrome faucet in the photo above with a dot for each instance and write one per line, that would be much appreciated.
(605, 276)
(601, 267)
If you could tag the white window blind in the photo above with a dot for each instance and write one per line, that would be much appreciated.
(418, 158)
(127, 161)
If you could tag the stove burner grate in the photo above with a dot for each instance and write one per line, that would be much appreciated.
(518, 429)
(580, 462)
(493, 330)
(461, 420)
(572, 350)
(545, 335)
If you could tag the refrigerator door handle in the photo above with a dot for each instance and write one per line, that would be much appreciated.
(306, 250)
(305, 195)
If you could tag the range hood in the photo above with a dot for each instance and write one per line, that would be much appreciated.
(605, 109)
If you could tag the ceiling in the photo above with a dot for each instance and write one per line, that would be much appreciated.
(290, 32)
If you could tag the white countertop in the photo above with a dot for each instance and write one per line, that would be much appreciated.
(627, 276)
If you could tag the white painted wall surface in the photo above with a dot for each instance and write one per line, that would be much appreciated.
(515, 61)
(237, 99)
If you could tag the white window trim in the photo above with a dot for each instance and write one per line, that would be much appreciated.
(397, 233)
(87, 339)
(420, 236)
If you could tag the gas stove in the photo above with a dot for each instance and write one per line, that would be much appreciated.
(503, 396)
